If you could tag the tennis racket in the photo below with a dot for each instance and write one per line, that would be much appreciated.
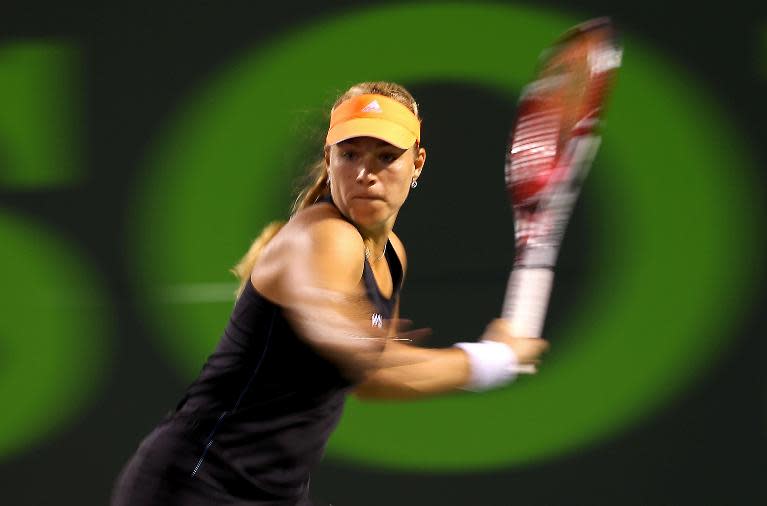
(550, 150)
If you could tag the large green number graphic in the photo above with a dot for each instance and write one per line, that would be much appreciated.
(52, 319)
(668, 291)
(39, 100)
(52, 324)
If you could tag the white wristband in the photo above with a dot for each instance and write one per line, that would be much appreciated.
(492, 364)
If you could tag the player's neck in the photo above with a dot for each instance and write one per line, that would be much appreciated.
(376, 239)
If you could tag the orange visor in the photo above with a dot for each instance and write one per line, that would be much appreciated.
(374, 116)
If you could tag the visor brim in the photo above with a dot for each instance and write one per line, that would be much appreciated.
(387, 131)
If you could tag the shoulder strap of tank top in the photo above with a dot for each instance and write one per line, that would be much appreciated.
(395, 266)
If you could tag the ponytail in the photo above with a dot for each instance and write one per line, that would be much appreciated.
(318, 188)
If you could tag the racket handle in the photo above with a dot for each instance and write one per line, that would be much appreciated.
(527, 299)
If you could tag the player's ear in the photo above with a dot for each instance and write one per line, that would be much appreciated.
(420, 160)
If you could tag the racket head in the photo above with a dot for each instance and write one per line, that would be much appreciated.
(564, 102)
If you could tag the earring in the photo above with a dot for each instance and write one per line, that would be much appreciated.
(328, 181)
(414, 183)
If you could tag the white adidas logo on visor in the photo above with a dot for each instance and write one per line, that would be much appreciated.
(372, 107)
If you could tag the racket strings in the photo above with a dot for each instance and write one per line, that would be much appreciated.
(555, 135)
(550, 151)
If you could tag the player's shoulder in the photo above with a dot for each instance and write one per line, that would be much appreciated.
(316, 247)
(399, 248)
(323, 230)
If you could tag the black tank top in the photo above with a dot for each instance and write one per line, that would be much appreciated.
(266, 402)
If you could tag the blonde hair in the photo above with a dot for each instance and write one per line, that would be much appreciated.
(317, 177)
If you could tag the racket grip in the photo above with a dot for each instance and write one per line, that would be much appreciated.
(527, 299)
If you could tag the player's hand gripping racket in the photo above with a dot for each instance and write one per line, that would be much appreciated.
(549, 153)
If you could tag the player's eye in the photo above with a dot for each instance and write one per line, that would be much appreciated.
(387, 158)
(348, 154)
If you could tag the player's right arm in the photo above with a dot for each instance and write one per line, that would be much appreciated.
(312, 269)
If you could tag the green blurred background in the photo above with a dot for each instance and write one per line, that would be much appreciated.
(143, 146)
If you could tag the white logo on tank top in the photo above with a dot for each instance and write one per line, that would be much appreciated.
(376, 320)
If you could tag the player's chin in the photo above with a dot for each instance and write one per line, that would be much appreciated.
(369, 212)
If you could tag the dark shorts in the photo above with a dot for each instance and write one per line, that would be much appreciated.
(160, 474)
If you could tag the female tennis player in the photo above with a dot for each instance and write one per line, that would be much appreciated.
(316, 319)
